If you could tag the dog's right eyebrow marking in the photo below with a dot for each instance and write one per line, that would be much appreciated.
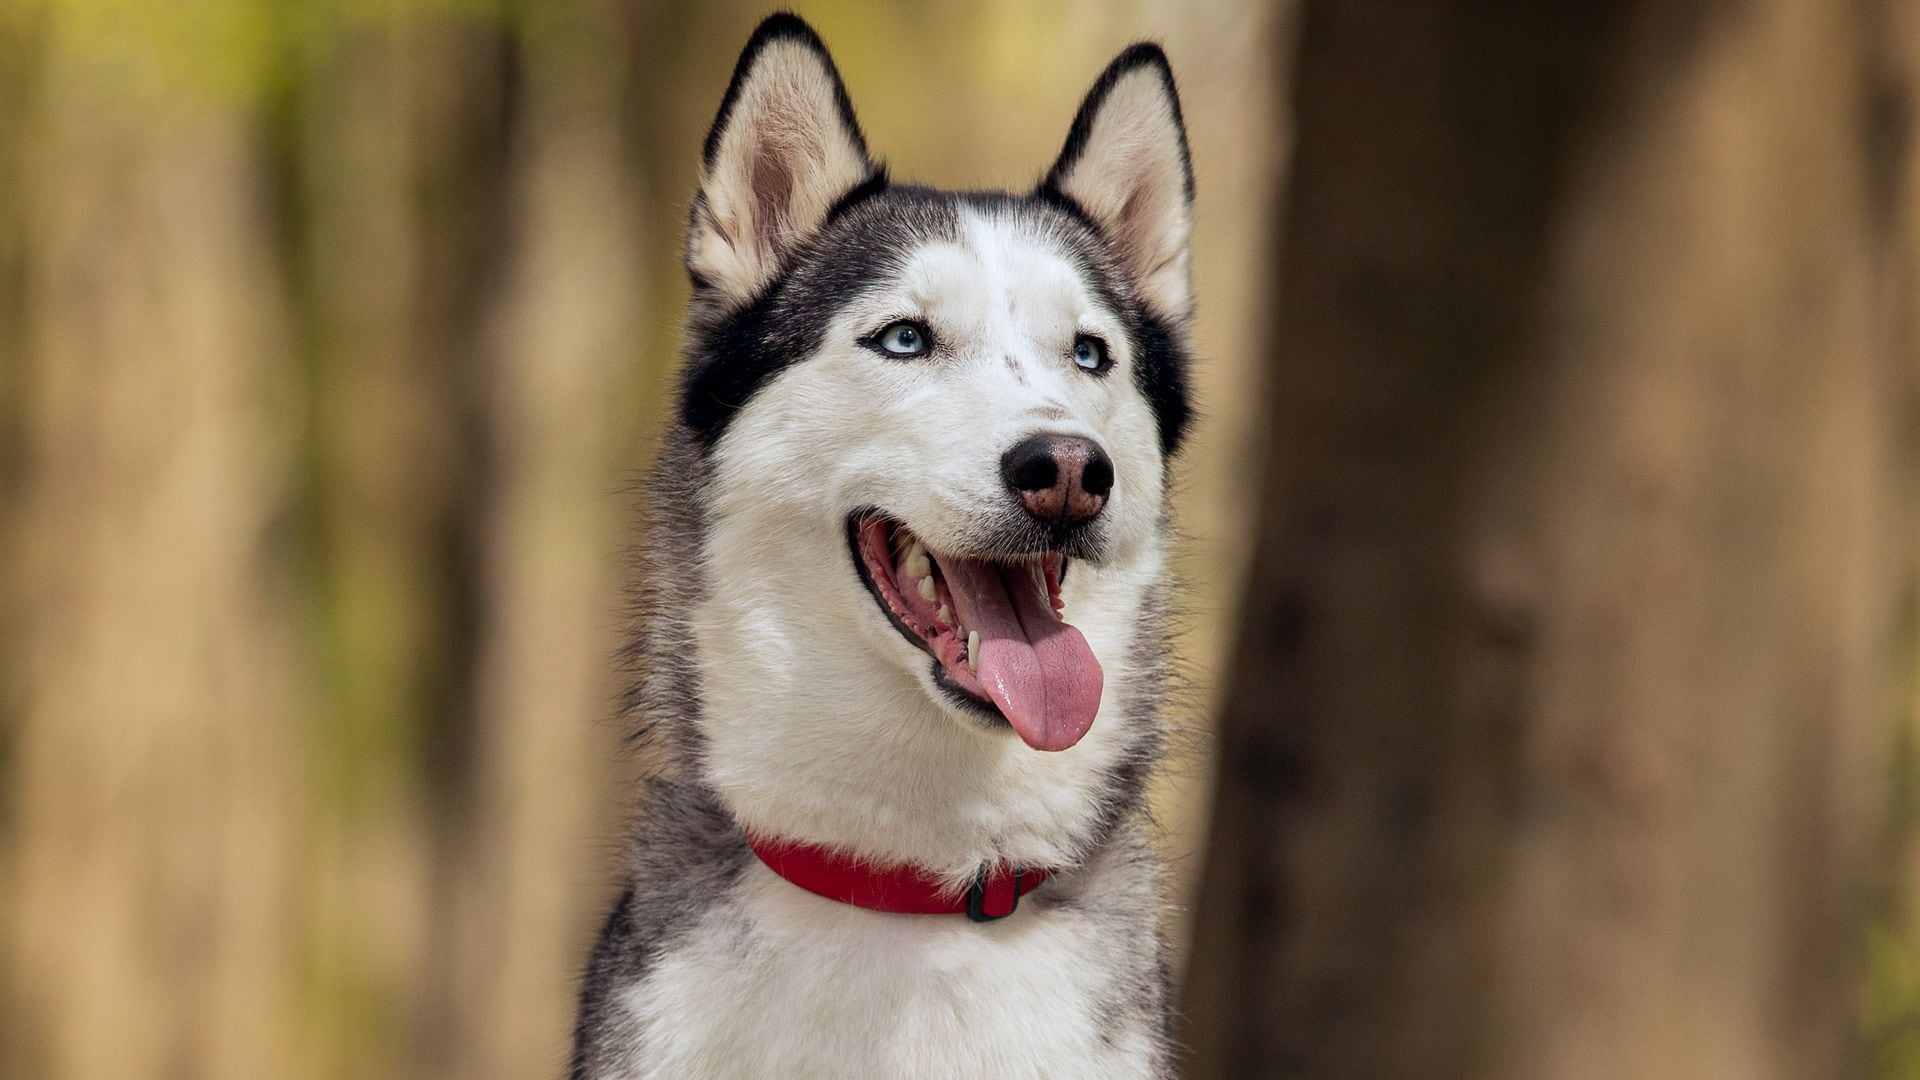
(1013, 365)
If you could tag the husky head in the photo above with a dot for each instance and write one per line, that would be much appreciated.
(922, 449)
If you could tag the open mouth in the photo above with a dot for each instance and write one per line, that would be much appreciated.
(995, 629)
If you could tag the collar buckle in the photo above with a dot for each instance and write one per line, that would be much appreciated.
(977, 897)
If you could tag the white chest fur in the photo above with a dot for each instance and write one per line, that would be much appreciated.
(777, 982)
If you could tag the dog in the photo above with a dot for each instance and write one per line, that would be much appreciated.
(902, 632)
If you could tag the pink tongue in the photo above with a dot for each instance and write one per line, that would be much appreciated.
(1037, 669)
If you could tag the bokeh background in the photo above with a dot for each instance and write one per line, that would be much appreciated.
(1547, 544)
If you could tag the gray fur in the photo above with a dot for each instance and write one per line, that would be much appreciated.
(685, 854)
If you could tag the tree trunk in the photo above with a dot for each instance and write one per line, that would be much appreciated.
(1553, 742)
(145, 652)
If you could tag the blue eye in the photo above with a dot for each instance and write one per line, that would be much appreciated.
(1090, 354)
(904, 339)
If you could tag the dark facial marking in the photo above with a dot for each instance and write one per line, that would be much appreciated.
(731, 353)
(1161, 360)
(1162, 376)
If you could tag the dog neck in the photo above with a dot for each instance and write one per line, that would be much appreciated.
(918, 788)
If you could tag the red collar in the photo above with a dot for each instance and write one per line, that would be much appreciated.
(907, 890)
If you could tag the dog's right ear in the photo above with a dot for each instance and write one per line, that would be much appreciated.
(784, 150)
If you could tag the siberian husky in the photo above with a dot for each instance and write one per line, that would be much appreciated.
(902, 634)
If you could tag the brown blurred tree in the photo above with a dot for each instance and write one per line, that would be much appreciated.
(1553, 742)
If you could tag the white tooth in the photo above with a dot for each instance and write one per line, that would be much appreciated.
(917, 564)
(926, 589)
(945, 614)
(973, 651)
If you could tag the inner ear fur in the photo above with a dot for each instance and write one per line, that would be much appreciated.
(1125, 165)
(784, 149)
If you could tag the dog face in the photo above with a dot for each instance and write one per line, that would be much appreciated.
(935, 429)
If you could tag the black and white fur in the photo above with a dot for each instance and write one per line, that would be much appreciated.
(787, 701)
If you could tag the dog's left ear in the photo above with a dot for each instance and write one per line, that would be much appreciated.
(783, 150)
(1126, 165)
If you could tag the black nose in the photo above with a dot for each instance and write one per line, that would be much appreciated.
(1061, 479)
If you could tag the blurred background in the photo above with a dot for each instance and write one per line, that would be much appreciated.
(1547, 544)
